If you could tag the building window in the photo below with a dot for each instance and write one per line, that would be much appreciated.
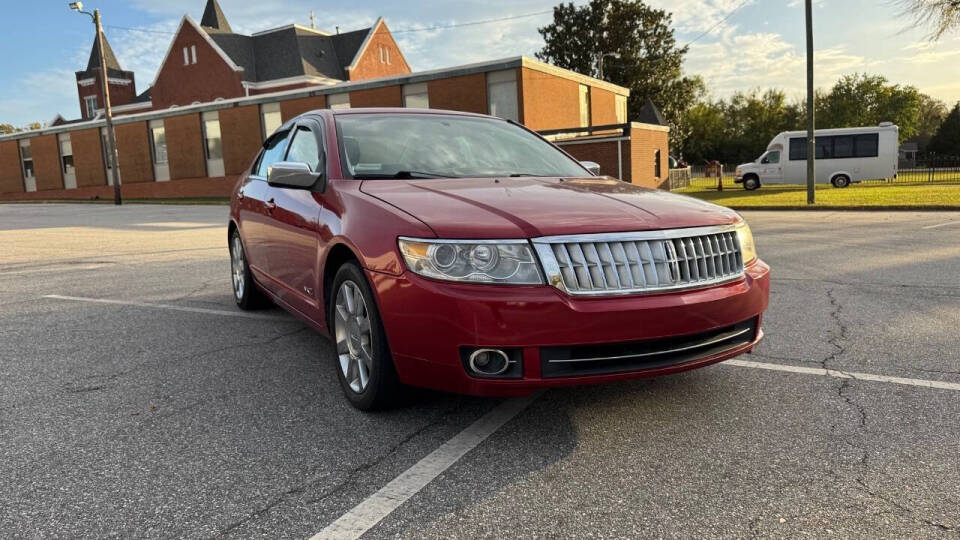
(381, 55)
(186, 56)
(90, 103)
(656, 163)
(193, 53)
(27, 158)
(270, 118)
(190, 55)
(339, 101)
(384, 54)
(66, 154)
(387, 51)
(416, 95)
(502, 94)
(212, 144)
(621, 104)
(584, 105)
(158, 142)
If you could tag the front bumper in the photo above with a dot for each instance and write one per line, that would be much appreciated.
(427, 323)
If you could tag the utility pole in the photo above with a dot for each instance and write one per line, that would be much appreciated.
(107, 111)
(811, 143)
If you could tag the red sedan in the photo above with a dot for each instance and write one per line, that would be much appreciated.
(466, 253)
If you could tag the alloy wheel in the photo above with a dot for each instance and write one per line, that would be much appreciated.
(353, 335)
(237, 266)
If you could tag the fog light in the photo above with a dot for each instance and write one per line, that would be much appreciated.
(489, 361)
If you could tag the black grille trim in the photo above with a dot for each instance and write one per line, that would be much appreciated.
(607, 358)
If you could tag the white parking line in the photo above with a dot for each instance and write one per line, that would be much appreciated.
(938, 225)
(170, 307)
(379, 505)
(845, 374)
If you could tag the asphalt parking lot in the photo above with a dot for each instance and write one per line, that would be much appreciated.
(137, 401)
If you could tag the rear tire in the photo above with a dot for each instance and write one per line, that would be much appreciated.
(245, 291)
(363, 360)
(751, 183)
(840, 181)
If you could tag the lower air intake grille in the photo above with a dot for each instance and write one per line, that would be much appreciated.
(608, 358)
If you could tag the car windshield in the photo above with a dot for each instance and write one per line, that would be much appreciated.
(407, 145)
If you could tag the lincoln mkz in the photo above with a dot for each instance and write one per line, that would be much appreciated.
(466, 253)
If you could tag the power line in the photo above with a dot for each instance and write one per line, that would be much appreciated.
(718, 23)
(399, 31)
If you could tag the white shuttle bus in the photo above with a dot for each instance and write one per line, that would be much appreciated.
(844, 155)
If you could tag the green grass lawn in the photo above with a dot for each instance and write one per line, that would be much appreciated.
(857, 195)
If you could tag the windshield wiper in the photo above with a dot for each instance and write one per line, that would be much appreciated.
(518, 174)
(402, 175)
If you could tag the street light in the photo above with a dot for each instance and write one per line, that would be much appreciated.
(104, 76)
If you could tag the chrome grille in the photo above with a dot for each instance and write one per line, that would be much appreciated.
(647, 261)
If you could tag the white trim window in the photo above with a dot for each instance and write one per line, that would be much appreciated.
(193, 53)
(186, 56)
(158, 150)
(339, 101)
(212, 143)
(90, 104)
(584, 105)
(26, 160)
(270, 118)
(190, 55)
(416, 96)
(621, 106)
(66, 161)
(502, 94)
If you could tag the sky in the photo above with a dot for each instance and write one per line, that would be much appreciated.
(761, 45)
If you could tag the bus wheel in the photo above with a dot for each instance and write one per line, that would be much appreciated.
(840, 181)
(751, 183)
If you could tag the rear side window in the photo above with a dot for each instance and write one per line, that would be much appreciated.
(304, 148)
(272, 153)
(868, 145)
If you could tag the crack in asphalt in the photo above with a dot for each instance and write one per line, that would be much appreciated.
(349, 478)
(905, 510)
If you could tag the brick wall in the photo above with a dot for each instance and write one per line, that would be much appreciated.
(88, 157)
(290, 108)
(604, 153)
(464, 93)
(385, 96)
(120, 94)
(549, 102)
(185, 146)
(11, 176)
(369, 66)
(46, 162)
(240, 130)
(174, 189)
(644, 142)
(133, 146)
(603, 107)
(210, 78)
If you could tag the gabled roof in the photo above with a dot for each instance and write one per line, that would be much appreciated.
(213, 17)
(650, 114)
(94, 61)
(291, 51)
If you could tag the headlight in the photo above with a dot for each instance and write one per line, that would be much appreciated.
(747, 249)
(738, 171)
(487, 261)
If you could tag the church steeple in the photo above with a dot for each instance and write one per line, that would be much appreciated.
(94, 61)
(213, 17)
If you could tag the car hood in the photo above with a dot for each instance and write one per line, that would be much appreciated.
(529, 207)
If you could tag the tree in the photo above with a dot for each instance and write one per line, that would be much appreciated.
(739, 129)
(941, 16)
(10, 128)
(867, 100)
(7, 128)
(627, 43)
(947, 139)
(929, 117)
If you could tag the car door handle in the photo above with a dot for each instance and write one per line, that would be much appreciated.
(271, 205)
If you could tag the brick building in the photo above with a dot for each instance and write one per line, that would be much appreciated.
(218, 94)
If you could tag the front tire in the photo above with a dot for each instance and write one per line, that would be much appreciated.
(245, 291)
(840, 181)
(751, 183)
(364, 363)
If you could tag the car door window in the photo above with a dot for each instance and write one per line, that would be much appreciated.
(772, 158)
(272, 152)
(304, 148)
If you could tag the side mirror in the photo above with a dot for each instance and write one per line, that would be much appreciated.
(591, 166)
(292, 174)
